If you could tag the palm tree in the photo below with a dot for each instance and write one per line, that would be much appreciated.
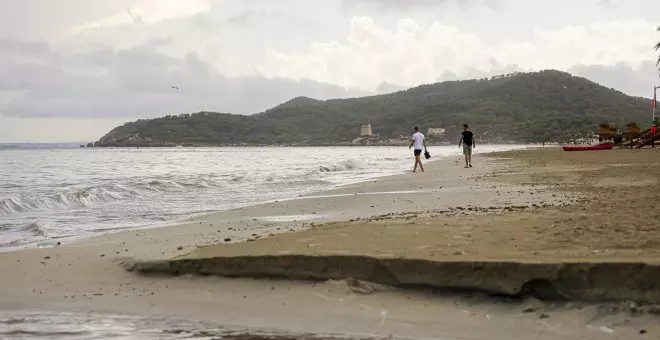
(657, 48)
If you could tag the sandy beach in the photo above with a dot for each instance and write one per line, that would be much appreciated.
(521, 215)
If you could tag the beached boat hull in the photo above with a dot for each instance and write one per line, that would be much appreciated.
(587, 147)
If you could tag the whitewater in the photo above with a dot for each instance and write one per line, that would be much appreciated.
(49, 194)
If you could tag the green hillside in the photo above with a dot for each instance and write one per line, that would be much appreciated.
(523, 107)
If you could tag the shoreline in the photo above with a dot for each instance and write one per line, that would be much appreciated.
(322, 145)
(201, 215)
(471, 214)
(314, 193)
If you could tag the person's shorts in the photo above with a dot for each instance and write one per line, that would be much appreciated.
(467, 150)
(418, 152)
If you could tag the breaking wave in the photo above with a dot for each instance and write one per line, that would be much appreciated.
(350, 164)
(35, 229)
(16, 235)
(99, 194)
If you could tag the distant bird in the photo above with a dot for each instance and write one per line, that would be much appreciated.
(175, 88)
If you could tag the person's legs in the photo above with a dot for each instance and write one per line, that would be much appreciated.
(465, 153)
(470, 156)
(418, 160)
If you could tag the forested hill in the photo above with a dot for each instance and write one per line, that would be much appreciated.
(522, 107)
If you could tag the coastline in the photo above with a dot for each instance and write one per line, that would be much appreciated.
(398, 143)
(186, 218)
(85, 275)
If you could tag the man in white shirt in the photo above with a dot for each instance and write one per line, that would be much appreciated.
(418, 141)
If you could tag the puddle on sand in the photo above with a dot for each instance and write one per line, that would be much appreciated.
(367, 193)
(290, 218)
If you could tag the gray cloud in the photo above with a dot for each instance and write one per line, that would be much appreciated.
(138, 83)
(633, 81)
(410, 4)
(269, 19)
(18, 49)
(397, 3)
(386, 87)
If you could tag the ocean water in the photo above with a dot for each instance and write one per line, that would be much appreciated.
(78, 326)
(50, 193)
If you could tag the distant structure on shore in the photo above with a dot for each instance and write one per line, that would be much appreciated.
(365, 130)
(436, 132)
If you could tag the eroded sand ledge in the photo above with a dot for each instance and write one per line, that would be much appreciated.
(605, 281)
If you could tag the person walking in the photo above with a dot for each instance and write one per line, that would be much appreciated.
(419, 142)
(467, 141)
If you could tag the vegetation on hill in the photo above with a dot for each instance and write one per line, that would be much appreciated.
(520, 107)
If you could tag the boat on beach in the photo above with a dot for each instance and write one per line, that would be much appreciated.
(606, 146)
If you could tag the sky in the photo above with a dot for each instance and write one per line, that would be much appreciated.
(71, 70)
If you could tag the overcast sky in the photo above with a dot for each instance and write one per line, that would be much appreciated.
(70, 70)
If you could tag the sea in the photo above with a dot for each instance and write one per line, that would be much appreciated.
(52, 192)
(48, 193)
(41, 325)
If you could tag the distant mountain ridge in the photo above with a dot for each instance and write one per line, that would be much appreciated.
(520, 107)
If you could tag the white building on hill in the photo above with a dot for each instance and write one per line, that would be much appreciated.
(436, 132)
(365, 130)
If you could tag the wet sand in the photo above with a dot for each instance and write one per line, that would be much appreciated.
(537, 206)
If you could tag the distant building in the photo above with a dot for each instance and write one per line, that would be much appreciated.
(436, 132)
(365, 130)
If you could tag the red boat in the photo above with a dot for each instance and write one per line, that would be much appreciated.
(607, 146)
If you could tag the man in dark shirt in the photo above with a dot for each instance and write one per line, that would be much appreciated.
(467, 140)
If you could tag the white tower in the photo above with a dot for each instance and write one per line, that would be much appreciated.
(365, 130)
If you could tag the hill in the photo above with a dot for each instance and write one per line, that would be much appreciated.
(521, 107)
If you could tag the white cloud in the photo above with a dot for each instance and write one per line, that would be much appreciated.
(396, 5)
(148, 12)
(410, 54)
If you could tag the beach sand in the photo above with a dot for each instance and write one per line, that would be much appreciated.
(607, 212)
(532, 208)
